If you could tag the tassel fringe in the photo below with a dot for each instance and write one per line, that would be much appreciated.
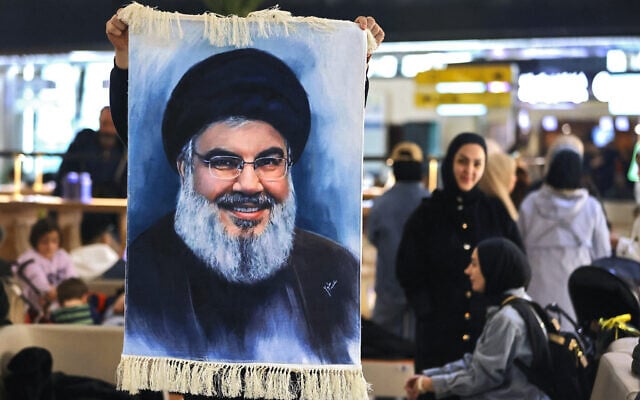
(251, 381)
(218, 29)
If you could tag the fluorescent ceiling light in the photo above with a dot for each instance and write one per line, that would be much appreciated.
(498, 87)
(501, 45)
(524, 120)
(616, 61)
(606, 123)
(565, 87)
(383, 67)
(550, 123)
(461, 87)
(461, 110)
(622, 123)
(413, 64)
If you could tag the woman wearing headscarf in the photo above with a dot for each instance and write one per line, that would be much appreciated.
(563, 228)
(499, 179)
(436, 247)
(499, 269)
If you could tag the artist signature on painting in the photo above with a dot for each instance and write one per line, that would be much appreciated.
(328, 287)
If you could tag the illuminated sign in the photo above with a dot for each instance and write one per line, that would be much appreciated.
(565, 87)
(487, 85)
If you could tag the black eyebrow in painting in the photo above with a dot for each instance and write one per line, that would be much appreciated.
(271, 152)
(217, 152)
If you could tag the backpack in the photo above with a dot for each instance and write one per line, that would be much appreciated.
(562, 360)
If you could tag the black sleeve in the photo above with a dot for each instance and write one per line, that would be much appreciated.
(119, 101)
(366, 90)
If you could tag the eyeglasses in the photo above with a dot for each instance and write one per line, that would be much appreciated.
(230, 167)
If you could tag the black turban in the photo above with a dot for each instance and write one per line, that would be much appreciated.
(246, 83)
(503, 265)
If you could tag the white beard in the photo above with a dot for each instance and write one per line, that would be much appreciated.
(238, 259)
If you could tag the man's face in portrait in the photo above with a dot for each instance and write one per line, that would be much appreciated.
(239, 221)
(249, 141)
(233, 126)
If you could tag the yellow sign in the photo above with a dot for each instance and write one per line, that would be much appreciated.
(427, 96)
(468, 73)
(433, 99)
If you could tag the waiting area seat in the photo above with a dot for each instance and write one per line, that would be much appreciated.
(89, 351)
(614, 379)
(387, 377)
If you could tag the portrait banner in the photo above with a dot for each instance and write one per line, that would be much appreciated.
(244, 205)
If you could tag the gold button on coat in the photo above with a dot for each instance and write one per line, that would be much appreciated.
(465, 337)
(467, 316)
(464, 225)
(466, 246)
(468, 294)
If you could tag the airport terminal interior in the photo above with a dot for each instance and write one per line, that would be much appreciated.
(523, 75)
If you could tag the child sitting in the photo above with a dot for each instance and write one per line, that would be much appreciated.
(74, 308)
(40, 269)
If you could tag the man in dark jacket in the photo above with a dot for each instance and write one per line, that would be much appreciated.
(102, 155)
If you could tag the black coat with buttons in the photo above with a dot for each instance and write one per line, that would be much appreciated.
(435, 249)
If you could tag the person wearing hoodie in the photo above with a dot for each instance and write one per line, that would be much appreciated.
(563, 228)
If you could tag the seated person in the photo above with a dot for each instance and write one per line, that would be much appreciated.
(114, 314)
(4, 306)
(97, 254)
(40, 269)
(500, 270)
(73, 305)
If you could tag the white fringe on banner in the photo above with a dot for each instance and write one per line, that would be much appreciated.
(223, 30)
(252, 381)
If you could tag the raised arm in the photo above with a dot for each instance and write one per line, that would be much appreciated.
(118, 34)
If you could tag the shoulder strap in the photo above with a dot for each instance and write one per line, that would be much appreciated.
(537, 324)
(22, 275)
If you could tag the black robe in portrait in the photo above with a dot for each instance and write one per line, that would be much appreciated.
(178, 307)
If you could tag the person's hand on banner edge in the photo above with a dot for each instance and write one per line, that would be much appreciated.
(370, 24)
(118, 34)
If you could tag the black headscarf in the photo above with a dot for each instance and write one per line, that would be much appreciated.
(565, 170)
(503, 265)
(450, 186)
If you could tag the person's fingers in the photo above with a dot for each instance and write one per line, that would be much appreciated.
(375, 29)
(113, 28)
(371, 22)
(362, 21)
(118, 23)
